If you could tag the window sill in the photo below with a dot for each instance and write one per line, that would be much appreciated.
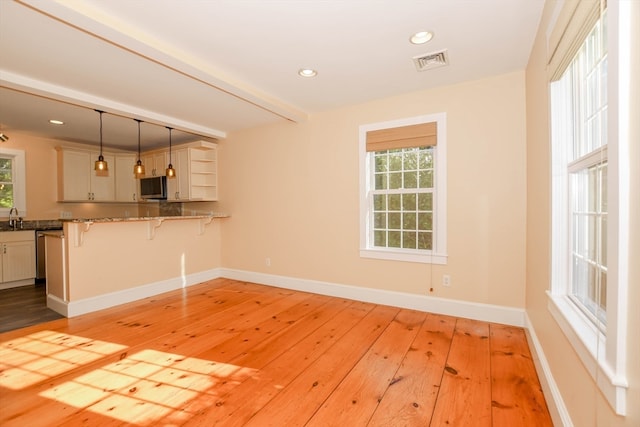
(590, 346)
(403, 255)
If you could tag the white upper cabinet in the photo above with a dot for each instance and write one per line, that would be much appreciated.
(126, 183)
(77, 180)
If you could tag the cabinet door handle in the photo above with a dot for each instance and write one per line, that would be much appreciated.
(134, 196)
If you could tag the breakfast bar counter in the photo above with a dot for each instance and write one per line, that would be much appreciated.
(98, 263)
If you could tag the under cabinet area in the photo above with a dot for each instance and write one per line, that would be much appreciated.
(18, 254)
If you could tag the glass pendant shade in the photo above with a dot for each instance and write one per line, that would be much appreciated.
(101, 167)
(138, 169)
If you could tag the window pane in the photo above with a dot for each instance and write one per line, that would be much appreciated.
(6, 195)
(409, 221)
(394, 239)
(381, 181)
(381, 162)
(425, 201)
(395, 180)
(6, 174)
(395, 221)
(395, 160)
(424, 240)
(380, 238)
(408, 202)
(426, 179)
(409, 240)
(426, 158)
(380, 220)
(394, 202)
(379, 202)
(425, 221)
(411, 159)
(410, 179)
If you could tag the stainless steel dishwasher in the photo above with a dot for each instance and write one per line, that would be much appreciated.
(41, 267)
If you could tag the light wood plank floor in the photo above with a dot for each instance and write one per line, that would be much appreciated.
(231, 353)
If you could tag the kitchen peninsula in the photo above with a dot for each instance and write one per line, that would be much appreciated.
(102, 262)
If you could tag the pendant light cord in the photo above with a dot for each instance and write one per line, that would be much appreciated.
(139, 121)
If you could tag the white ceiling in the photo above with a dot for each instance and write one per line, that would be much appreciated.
(210, 67)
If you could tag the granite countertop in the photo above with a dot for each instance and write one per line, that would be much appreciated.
(41, 224)
(144, 218)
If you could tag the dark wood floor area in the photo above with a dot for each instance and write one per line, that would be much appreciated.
(231, 353)
(24, 306)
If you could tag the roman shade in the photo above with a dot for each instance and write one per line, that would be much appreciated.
(420, 135)
(575, 19)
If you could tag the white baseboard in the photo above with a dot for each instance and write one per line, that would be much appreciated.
(555, 403)
(470, 310)
(89, 305)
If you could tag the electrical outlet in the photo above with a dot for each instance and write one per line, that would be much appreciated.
(446, 280)
(267, 262)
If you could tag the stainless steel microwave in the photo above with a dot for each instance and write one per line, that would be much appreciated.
(153, 188)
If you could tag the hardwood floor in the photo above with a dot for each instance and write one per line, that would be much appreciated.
(24, 306)
(231, 353)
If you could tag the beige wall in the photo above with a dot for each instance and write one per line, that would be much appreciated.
(293, 193)
(585, 403)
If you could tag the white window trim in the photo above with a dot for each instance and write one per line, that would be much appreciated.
(602, 354)
(367, 250)
(19, 181)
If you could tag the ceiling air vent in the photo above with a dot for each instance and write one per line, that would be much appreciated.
(430, 61)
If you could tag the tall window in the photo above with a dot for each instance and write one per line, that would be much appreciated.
(403, 190)
(579, 109)
(12, 181)
(588, 287)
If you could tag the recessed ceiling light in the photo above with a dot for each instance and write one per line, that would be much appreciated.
(307, 72)
(421, 37)
(56, 122)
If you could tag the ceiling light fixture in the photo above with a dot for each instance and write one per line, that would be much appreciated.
(57, 122)
(307, 72)
(101, 167)
(421, 37)
(138, 169)
(171, 172)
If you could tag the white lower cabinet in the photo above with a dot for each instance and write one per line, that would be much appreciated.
(18, 253)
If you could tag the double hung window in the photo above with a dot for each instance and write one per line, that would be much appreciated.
(588, 286)
(403, 190)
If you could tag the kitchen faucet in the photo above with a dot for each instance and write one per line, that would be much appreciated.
(12, 219)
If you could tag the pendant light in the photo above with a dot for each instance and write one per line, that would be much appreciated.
(138, 169)
(171, 172)
(101, 166)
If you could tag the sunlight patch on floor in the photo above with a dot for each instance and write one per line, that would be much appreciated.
(148, 386)
(42, 355)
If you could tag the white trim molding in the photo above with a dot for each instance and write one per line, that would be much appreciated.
(112, 299)
(557, 409)
(470, 310)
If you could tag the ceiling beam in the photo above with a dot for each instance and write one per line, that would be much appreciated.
(85, 17)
